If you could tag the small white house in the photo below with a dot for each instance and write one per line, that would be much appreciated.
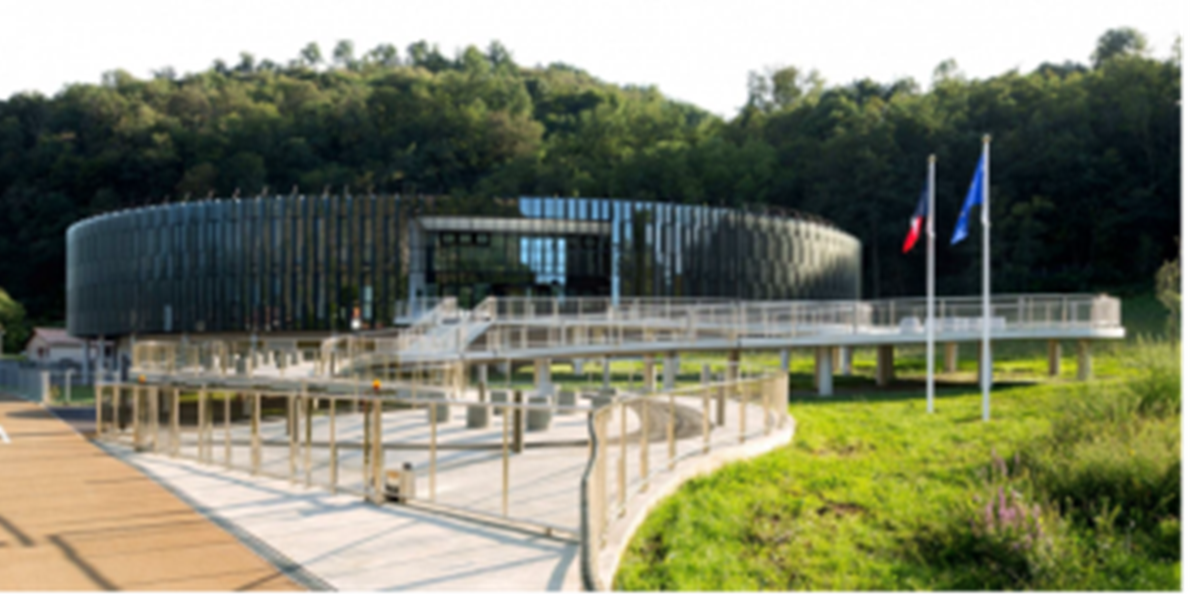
(49, 346)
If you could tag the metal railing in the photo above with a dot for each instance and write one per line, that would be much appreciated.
(513, 456)
(500, 327)
(693, 422)
(404, 310)
(22, 379)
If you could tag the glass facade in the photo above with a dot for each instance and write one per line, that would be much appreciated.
(300, 263)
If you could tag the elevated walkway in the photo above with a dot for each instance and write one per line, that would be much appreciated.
(528, 329)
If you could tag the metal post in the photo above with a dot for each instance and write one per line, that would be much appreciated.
(157, 414)
(292, 431)
(722, 392)
(621, 466)
(228, 429)
(434, 448)
(366, 432)
(505, 461)
(99, 408)
(136, 419)
(307, 410)
(379, 454)
(644, 460)
(704, 417)
(334, 456)
(519, 418)
(765, 393)
(741, 405)
(985, 367)
(671, 433)
(256, 433)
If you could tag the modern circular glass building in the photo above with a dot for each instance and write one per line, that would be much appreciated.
(312, 264)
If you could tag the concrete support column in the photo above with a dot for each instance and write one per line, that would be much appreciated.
(648, 375)
(482, 374)
(824, 371)
(1085, 361)
(670, 370)
(785, 360)
(605, 377)
(950, 357)
(885, 371)
(542, 375)
(1054, 354)
(578, 367)
(732, 369)
(846, 360)
(835, 359)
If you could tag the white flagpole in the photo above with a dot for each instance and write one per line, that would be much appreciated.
(931, 280)
(987, 360)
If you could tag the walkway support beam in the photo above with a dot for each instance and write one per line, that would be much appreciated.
(824, 371)
(884, 373)
(1085, 361)
(950, 357)
(670, 370)
(1054, 356)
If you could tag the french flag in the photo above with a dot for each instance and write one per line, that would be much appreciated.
(917, 223)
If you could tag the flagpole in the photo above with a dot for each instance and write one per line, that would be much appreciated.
(987, 360)
(931, 280)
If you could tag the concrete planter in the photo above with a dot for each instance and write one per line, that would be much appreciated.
(479, 417)
(539, 419)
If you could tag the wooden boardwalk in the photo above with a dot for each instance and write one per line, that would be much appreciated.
(73, 518)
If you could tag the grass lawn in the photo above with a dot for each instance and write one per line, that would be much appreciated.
(874, 494)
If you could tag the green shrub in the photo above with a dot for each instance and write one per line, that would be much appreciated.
(1156, 389)
(1136, 469)
(1000, 539)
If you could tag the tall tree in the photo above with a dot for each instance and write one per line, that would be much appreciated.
(1123, 41)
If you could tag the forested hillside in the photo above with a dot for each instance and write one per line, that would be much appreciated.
(1085, 159)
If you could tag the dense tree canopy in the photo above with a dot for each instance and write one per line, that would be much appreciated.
(1085, 159)
(13, 328)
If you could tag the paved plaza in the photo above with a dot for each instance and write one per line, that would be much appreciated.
(73, 518)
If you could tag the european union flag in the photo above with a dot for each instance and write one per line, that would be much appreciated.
(973, 199)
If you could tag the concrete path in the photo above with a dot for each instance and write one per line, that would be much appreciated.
(352, 545)
(73, 518)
